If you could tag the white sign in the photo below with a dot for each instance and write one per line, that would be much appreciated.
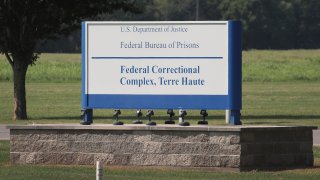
(156, 58)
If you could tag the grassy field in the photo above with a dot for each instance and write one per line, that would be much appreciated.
(272, 66)
(279, 87)
(49, 68)
(282, 103)
(34, 172)
(258, 66)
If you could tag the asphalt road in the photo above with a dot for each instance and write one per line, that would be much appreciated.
(316, 137)
(4, 135)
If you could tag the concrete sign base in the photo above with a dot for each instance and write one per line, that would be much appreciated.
(239, 147)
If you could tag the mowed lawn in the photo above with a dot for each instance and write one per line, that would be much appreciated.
(278, 103)
(279, 87)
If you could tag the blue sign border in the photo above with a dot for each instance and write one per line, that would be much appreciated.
(232, 101)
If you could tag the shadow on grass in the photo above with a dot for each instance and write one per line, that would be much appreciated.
(123, 118)
(219, 117)
(291, 117)
(264, 122)
(55, 118)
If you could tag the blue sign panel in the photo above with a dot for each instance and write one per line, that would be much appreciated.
(161, 65)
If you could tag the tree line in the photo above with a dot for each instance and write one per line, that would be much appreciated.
(267, 24)
(29, 27)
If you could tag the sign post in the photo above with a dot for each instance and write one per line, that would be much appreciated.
(161, 65)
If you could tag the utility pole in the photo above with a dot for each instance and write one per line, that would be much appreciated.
(197, 10)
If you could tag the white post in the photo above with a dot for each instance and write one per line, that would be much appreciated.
(180, 118)
(228, 116)
(99, 171)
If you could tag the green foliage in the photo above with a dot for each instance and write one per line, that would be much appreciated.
(25, 23)
(178, 10)
(261, 23)
(267, 24)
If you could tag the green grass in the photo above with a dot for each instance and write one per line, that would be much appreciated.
(35, 172)
(281, 65)
(280, 87)
(258, 66)
(277, 103)
(49, 68)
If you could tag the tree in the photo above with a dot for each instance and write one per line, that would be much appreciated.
(307, 16)
(266, 23)
(24, 23)
(175, 10)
